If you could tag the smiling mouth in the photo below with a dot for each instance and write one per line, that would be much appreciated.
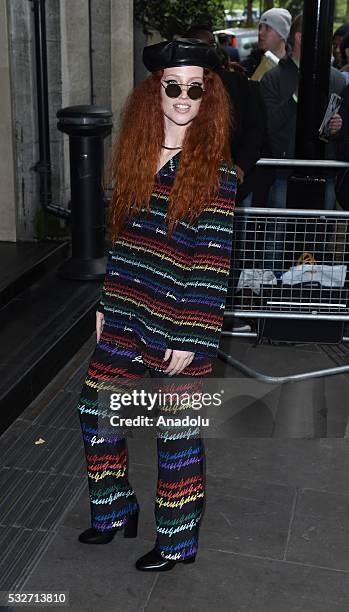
(182, 108)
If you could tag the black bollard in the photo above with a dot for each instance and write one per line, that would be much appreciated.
(87, 126)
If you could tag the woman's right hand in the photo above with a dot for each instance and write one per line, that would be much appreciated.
(99, 324)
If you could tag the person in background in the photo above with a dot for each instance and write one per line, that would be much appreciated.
(273, 31)
(344, 48)
(226, 62)
(224, 58)
(342, 142)
(336, 45)
(246, 135)
(232, 51)
(279, 88)
(342, 154)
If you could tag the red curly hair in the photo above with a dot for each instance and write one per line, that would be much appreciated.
(135, 155)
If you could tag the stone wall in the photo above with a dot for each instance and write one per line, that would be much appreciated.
(76, 50)
(7, 169)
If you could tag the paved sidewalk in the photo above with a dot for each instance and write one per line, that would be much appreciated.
(274, 537)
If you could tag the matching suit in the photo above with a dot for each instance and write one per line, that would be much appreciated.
(159, 292)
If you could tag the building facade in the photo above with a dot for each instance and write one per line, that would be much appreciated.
(90, 60)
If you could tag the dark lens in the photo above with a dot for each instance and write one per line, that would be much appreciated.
(195, 92)
(173, 90)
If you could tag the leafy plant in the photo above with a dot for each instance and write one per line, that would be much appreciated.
(171, 17)
(294, 6)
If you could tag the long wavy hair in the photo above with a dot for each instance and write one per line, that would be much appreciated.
(135, 154)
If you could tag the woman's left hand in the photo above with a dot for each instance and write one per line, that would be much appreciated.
(179, 360)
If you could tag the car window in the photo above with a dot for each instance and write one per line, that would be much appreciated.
(249, 42)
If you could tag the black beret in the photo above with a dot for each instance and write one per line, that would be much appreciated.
(180, 52)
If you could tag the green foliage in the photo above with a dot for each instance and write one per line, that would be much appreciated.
(294, 6)
(342, 10)
(171, 17)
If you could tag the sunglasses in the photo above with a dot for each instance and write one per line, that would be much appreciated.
(173, 90)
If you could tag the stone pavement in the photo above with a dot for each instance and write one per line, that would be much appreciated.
(276, 521)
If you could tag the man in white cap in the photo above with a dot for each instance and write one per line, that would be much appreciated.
(273, 31)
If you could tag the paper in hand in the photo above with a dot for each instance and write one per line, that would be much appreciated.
(332, 108)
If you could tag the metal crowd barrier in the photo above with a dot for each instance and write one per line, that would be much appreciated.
(330, 164)
(288, 264)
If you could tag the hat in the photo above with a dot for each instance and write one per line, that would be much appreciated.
(278, 19)
(180, 52)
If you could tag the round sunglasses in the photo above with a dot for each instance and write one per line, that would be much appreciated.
(173, 90)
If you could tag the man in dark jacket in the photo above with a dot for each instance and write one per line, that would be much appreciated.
(279, 88)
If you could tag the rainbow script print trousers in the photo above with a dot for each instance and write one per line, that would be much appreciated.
(180, 486)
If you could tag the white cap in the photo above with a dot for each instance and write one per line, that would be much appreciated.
(278, 19)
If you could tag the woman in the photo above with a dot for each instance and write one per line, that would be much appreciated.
(162, 303)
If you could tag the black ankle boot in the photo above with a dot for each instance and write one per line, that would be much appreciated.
(154, 562)
(93, 536)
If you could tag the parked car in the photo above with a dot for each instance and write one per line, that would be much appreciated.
(237, 17)
(243, 39)
(255, 14)
(234, 18)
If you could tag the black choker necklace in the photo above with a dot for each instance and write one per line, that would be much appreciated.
(170, 148)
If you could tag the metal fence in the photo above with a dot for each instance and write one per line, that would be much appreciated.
(289, 264)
